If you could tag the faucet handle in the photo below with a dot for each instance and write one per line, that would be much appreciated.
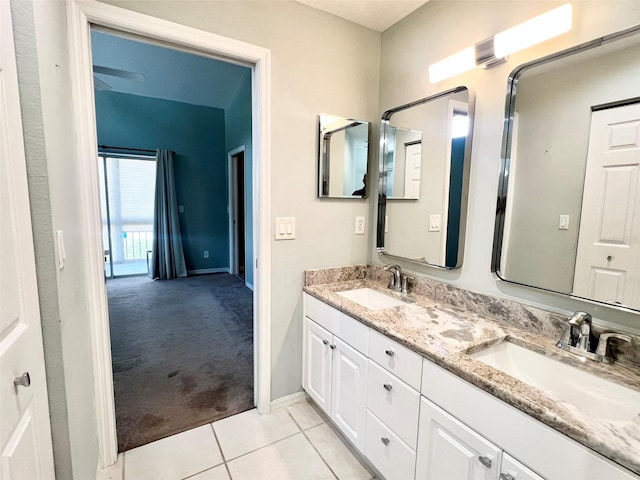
(604, 341)
(405, 282)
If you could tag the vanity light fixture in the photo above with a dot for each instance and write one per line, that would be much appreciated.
(494, 50)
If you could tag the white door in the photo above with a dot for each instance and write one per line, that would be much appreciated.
(316, 368)
(25, 432)
(448, 449)
(413, 163)
(349, 392)
(608, 257)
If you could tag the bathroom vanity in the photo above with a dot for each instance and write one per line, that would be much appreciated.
(418, 385)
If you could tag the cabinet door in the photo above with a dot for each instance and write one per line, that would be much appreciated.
(448, 449)
(316, 365)
(512, 469)
(349, 392)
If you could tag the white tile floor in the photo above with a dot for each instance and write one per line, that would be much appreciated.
(292, 443)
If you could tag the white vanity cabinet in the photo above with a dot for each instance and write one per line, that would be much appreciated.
(335, 367)
(393, 404)
(547, 453)
(447, 448)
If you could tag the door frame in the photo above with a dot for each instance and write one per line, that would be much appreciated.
(81, 15)
(233, 231)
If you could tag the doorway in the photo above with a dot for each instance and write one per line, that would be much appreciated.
(237, 213)
(81, 17)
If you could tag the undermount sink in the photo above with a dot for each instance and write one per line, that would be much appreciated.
(371, 299)
(594, 395)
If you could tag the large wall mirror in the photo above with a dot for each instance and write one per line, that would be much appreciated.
(424, 176)
(343, 150)
(568, 217)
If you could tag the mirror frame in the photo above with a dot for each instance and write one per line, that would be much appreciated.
(382, 180)
(505, 161)
(323, 157)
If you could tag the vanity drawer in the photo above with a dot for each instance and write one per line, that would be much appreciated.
(399, 360)
(387, 452)
(394, 402)
(349, 330)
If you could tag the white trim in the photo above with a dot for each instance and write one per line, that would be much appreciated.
(289, 400)
(81, 14)
(249, 285)
(205, 271)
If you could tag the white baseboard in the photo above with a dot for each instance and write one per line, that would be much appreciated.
(205, 271)
(288, 400)
(249, 285)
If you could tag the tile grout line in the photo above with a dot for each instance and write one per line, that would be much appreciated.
(319, 454)
(224, 459)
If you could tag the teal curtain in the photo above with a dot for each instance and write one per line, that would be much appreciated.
(167, 257)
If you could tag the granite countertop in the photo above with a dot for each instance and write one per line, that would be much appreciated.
(444, 330)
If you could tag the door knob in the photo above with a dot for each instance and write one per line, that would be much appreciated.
(23, 380)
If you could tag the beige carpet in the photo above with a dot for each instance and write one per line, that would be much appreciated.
(182, 353)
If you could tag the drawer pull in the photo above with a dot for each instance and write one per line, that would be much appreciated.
(486, 461)
(385, 440)
(387, 387)
(507, 476)
(326, 342)
(390, 352)
(332, 347)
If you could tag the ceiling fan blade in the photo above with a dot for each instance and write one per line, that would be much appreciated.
(116, 72)
(100, 85)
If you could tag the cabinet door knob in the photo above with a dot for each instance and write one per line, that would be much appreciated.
(507, 476)
(387, 387)
(385, 440)
(23, 380)
(332, 347)
(326, 342)
(390, 352)
(486, 461)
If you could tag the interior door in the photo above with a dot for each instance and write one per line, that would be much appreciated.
(25, 432)
(413, 163)
(608, 256)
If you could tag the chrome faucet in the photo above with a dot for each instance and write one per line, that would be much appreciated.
(396, 277)
(576, 338)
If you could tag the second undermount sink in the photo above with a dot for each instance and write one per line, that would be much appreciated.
(596, 396)
(371, 299)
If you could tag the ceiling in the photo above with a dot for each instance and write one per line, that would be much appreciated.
(375, 14)
(184, 77)
(168, 74)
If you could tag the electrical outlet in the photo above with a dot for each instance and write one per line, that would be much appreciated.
(360, 225)
(206, 254)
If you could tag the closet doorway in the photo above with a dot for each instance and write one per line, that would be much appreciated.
(237, 213)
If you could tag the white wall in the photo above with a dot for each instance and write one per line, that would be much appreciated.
(441, 28)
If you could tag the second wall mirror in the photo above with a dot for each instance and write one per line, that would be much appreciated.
(568, 215)
(343, 150)
(424, 177)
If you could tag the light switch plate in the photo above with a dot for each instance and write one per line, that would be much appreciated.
(434, 223)
(285, 228)
(563, 223)
(360, 225)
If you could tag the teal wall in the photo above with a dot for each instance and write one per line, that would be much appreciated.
(197, 135)
(238, 132)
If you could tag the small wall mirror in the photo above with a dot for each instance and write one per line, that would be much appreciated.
(343, 150)
(424, 176)
(568, 216)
